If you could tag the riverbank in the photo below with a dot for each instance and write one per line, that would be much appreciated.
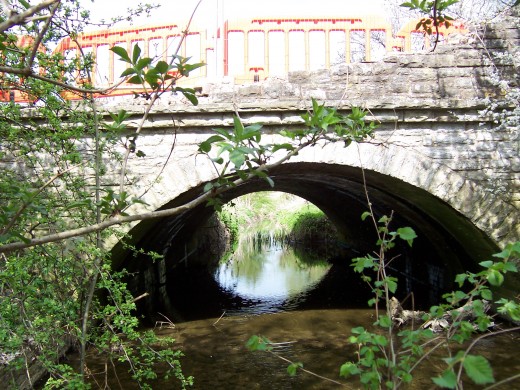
(283, 216)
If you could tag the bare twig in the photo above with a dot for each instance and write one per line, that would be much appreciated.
(222, 315)
(474, 342)
(310, 372)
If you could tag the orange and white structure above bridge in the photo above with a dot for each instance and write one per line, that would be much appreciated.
(246, 50)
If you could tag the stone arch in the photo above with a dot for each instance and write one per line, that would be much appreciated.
(403, 174)
(448, 242)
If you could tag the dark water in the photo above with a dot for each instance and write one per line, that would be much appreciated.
(216, 355)
(215, 352)
(304, 304)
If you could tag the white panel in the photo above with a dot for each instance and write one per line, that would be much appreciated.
(193, 51)
(276, 52)
(236, 53)
(155, 49)
(296, 50)
(256, 44)
(377, 45)
(102, 66)
(317, 51)
(418, 41)
(172, 45)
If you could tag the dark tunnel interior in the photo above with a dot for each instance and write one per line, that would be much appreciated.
(447, 241)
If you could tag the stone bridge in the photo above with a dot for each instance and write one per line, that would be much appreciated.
(445, 157)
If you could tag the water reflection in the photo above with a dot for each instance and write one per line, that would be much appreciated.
(266, 269)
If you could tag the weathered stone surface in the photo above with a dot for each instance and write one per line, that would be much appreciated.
(431, 109)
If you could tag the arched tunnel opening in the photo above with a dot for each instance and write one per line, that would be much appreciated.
(447, 242)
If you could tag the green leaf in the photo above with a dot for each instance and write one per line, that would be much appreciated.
(237, 158)
(365, 215)
(478, 369)
(77, 204)
(285, 146)
(510, 267)
(239, 127)
(188, 94)
(380, 340)
(384, 219)
(261, 174)
(136, 80)
(208, 187)
(447, 380)
(142, 63)
(153, 81)
(122, 53)
(215, 138)
(486, 294)
(258, 343)
(162, 67)
(384, 321)
(407, 234)
(254, 128)
(293, 368)
(509, 250)
(486, 264)
(510, 308)
(128, 72)
(391, 284)
(136, 53)
(495, 278)
(348, 369)
(358, 330)
(360, 263)
(205, 147)
(460, 279)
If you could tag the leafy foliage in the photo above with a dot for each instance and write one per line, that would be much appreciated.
(387, 357)
(159, 77)
(238, 154)
(51, 182)
(379, 360)
(436, 15)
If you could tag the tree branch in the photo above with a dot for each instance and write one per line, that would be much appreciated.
(436, 24)
(27, 72)
(36, 44)
(118, 220)
(15, 19)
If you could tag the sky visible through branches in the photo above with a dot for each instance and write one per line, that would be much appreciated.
(209, 10)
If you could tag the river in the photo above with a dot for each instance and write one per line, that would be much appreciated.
(304, 305)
